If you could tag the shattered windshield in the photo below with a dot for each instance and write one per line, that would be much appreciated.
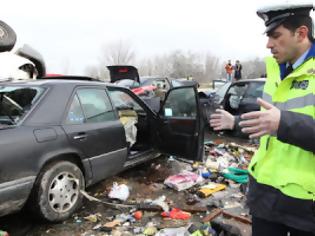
(15, 102)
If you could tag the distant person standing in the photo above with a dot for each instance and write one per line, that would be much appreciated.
(229, 69)
(237, 70)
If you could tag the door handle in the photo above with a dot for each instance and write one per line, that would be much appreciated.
(80, 136)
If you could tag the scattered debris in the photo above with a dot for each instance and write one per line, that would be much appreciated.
(93, 217)
(173, 231)
(137, 215)
(112, 224)
(172, 196)
(114, 205)
(176, 213)
(120, 192)
(236, 174)
(183, 180)
(161, 202)
(210, 188)
(150, 230)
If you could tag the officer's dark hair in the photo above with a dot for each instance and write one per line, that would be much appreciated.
(292, 23)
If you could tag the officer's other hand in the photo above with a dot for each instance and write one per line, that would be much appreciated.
(222, 120)
(259, 123)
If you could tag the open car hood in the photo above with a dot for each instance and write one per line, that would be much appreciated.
(121, 72)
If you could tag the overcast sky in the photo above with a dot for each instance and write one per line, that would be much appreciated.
(70, 33)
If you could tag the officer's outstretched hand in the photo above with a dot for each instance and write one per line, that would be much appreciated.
(259, 123)
(222, 120)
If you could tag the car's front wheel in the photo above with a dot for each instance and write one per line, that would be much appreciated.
(56, 194)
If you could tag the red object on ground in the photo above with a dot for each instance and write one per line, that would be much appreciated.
(137, 215)
(176, 213)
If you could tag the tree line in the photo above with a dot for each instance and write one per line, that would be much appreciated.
(202, 66)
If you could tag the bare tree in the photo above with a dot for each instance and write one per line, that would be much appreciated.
(92, 71)
(146, 67)
(186, 64)
(176, 64)
(212, 67)
(253, 68)
(117, 53)
(162, 65)
(157, 65)
(66, 65)
(180, 64)
(114, 53)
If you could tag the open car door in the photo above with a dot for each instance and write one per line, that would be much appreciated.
(180, 125)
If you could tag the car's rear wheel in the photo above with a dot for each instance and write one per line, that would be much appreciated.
(56, 194)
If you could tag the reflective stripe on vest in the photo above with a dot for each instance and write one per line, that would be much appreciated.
(294, 103)
(267, 97)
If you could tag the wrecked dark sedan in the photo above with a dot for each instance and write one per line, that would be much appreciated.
(58, 136)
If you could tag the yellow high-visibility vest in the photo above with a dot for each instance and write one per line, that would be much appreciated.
(286, 167)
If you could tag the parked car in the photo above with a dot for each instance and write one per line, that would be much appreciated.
(210, 99)
(209, 92)
(218, 96)
(241, 96)
(128, 76)
(58, 136)
(157, 81)
(218, 83)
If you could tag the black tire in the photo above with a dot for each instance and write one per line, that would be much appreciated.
(56, 194)
(7, 37)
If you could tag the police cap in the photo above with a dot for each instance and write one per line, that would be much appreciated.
(275, 15)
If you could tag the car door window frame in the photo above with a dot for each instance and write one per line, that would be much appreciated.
(73, 117)
(256, 86)
(137, 99)
(181, 113)
(75, 94)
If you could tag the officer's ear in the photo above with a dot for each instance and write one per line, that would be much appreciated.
(302, 32)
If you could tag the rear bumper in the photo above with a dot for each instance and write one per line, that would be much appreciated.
(14, 194)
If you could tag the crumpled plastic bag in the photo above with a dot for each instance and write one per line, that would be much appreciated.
(183, 180)
(120, 192)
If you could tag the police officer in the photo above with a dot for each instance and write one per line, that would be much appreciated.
(281, 193)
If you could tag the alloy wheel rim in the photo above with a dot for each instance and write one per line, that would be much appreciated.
(63, 192)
